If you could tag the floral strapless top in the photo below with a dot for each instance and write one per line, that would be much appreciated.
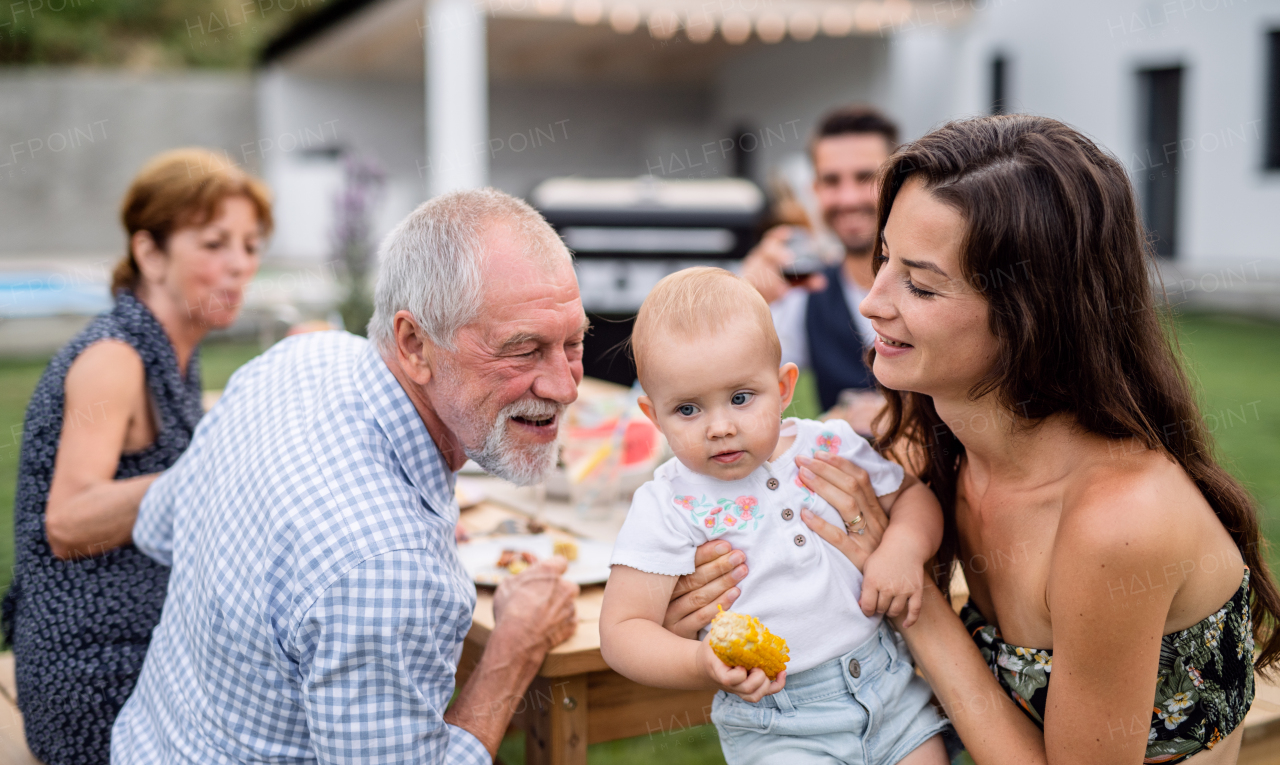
(1204, 687)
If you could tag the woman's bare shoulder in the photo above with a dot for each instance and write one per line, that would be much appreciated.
(1130, 502)
(108, 370)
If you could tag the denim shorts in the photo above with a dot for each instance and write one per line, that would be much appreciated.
(827, 715)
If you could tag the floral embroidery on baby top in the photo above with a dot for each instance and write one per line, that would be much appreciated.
(827, 442)
(808, 495)
(723, 515)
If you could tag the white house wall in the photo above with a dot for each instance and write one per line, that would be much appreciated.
(784, 89)
(302, 118)
(1078, 62)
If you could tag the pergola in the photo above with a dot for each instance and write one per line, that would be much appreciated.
(462, 42)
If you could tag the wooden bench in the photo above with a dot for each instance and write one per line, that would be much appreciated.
(13, 742)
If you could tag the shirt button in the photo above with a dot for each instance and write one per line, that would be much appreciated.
(772, 483)
(799, 540)
(787, 514)
(855, 669)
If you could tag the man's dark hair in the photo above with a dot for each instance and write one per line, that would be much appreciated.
(855, 120)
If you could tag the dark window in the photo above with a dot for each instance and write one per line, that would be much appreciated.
(999, 85)
(1161, 91)
(1273, 101)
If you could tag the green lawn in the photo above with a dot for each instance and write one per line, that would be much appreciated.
(1235, 362)
(698, 745)
(18, 377)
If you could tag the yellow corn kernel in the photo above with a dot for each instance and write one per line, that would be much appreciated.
(742, 641)
(566, 549)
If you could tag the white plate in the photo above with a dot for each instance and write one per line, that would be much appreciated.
(480, 556)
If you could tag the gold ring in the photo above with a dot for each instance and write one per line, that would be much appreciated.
(848, 525)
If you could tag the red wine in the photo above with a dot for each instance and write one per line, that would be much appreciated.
(799, 270)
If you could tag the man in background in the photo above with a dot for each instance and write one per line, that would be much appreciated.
(818, 322)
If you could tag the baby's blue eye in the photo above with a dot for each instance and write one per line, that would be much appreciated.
(686, 409)
(741, 398)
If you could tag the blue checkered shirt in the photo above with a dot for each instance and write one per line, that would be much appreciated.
(316, 605)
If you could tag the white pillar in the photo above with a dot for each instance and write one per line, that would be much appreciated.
(457, 81)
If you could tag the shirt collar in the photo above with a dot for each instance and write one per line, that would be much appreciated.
(410, 441)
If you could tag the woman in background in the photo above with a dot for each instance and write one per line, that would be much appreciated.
(115, 407)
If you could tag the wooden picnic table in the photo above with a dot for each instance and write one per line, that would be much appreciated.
(576, 699)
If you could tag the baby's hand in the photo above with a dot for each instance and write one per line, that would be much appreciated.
(749, 686)
(891, 585)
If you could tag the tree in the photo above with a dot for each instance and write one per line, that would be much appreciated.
(144, 34)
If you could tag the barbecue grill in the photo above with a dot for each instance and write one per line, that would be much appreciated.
(626, 234)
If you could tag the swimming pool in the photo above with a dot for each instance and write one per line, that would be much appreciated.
(33, 294)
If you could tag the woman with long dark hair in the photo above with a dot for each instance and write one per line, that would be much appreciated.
(116, 406)
(1118, 586)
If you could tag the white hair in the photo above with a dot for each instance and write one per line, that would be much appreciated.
(432, 264)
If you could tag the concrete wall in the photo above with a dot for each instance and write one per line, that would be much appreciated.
(71, 141)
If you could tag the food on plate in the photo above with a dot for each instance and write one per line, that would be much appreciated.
(565, 548)
(742, 641)
(516, 561)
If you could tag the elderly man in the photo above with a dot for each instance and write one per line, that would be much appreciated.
(316, 605)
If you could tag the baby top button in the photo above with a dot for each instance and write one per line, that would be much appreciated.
(772, 483)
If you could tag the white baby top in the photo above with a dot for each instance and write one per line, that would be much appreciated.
(801, 587)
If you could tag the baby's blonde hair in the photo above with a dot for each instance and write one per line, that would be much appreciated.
(696, 302)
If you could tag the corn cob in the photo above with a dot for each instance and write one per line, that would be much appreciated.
(742, 641)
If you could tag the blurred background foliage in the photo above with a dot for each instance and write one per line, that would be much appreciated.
(143, 34)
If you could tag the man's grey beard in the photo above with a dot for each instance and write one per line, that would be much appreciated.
(521, 465)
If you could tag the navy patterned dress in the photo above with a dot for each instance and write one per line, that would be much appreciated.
(80, 628)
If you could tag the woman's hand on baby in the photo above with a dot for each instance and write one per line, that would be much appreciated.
(848, 489)
(893, 585)
(714, 582)
(749, 686)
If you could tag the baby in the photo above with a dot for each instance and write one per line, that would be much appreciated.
(708, 359)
